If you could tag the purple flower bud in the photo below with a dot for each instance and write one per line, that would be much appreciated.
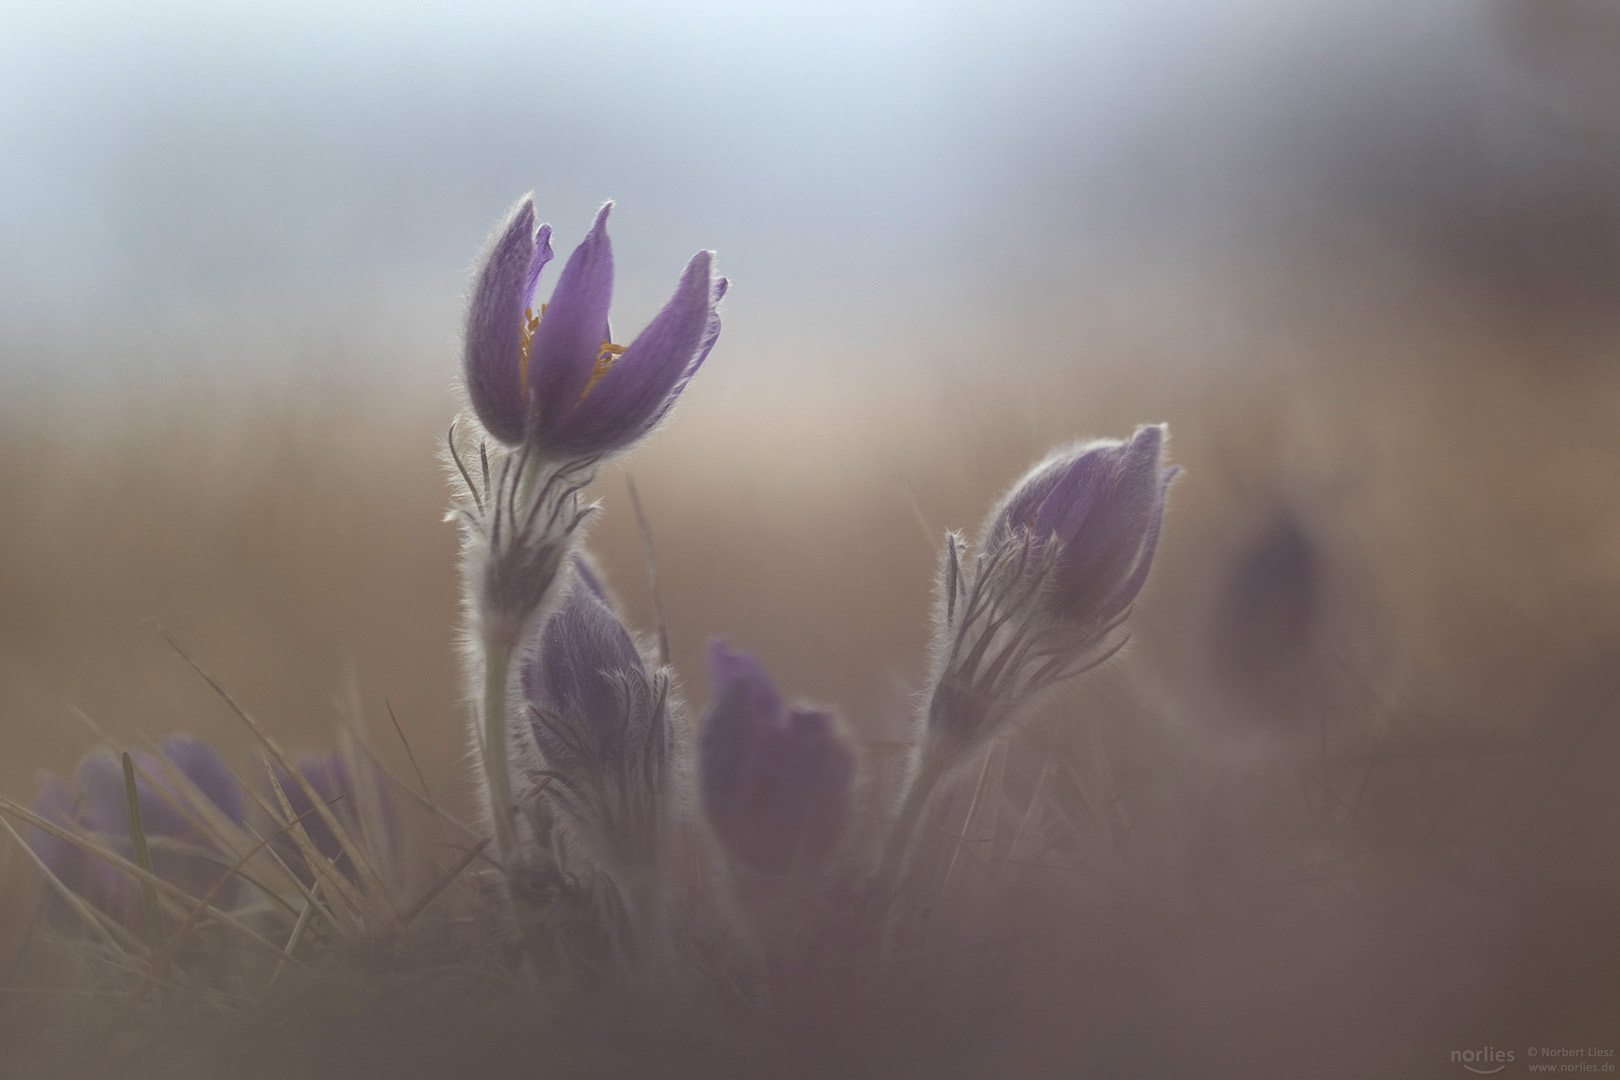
(499, 324)
(1101, 504)
(577, 676)
(174, 823)
(599, 719)
(776, 783)
(1060, 561)
(556, 376)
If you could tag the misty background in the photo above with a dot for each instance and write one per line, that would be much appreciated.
(189, 186)
(1364, 257)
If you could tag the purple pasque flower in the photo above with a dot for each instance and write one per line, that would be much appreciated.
(561, 396)
(183, 792)
(555, 379)
(1061, 559)
(1100, 505)
(366, 813)
(775, 782)
(599, 720)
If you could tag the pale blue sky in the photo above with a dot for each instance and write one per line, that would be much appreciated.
(871, 166)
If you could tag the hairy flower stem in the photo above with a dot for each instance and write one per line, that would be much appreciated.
(497, 663)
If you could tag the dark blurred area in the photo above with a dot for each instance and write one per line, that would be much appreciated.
(1363, 258)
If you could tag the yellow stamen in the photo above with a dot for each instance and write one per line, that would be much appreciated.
(606, 354)
(531, 322)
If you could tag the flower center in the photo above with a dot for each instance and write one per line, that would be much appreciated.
(531, 323)
(606, 354)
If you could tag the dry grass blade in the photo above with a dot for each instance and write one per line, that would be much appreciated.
(326, 875)
(410, 755)
(292, 942)
(166, 955)
(168, 892)
(444, 880)
(73, 900)
(143, 856)
(374, 882)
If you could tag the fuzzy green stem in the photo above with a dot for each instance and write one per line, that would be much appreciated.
(497, 662)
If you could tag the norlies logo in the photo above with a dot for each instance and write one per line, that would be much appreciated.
(1485, 1061)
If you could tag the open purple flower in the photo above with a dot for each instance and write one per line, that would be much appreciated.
(775, 781)
(174, 820)
(555, 378)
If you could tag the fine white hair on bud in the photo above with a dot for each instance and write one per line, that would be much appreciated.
(1060, 561)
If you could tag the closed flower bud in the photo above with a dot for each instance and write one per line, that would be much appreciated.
(1060, 561)
(599, 721)
(1100, 505)
(776, 782)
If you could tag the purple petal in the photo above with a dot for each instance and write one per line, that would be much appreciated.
(568, 339)
(95, 879)
(741, 683)
(638, 389)
(1019, 506)
(1125, 594)
(204, 767)
(537, 262)
(491, 356)
(1106, 523)
(775, 787)
(1069, 501)
(100, 780)
(711, 334)
(66, 860)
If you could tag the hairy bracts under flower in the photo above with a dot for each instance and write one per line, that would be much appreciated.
(776, 782)
(1060, 561)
